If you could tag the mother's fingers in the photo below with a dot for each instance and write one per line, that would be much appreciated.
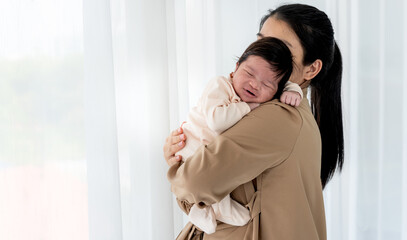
(176, 136)
(173, 160)
(177, 131)
(176, 147)
(177, 139)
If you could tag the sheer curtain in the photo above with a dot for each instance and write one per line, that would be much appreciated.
(90, 90)
(43, 187)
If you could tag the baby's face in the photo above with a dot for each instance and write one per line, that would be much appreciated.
(254, 81)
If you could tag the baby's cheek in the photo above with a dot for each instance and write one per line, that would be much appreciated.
(269, 96)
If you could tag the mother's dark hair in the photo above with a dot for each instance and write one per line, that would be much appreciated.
(314, 29)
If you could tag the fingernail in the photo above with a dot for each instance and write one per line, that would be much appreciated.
(180, 143)
(179, 157)
(179, 130)
(182, 136)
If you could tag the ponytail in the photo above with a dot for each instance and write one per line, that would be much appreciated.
(315, 32)
(327, 109)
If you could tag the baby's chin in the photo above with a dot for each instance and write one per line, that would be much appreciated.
(247, 100)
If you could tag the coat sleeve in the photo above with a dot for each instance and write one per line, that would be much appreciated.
(261, 140)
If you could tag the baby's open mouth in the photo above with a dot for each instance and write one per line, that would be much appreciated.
(251, 93)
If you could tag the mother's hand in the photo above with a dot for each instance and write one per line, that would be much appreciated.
(174, 143)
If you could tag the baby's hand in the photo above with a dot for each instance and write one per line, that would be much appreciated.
(291, 98)
(253, 105)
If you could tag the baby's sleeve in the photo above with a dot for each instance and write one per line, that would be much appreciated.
(219, 108)
(293, 87)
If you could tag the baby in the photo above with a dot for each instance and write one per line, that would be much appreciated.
(261, 73)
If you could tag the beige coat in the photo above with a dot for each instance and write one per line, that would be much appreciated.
(270, 162)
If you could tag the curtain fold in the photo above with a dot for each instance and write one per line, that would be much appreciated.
(100, 121)
(141, 80)
(404, 128)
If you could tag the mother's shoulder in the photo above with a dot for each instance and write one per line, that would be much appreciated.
(276, 115)
(277, 108)
(272, 123)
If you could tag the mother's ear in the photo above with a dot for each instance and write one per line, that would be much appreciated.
(313, 69)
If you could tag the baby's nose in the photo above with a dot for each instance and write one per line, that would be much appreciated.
(253, 84)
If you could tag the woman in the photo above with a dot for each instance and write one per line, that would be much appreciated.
(277, 159)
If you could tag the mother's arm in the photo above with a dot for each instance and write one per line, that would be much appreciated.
(261, 140)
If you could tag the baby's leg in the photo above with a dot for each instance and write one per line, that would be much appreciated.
(231, 212)
(203, 218)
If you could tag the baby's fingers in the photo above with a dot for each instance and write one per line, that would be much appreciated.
(297, 102)
(288, 99)
(282, 97)
(293, 101)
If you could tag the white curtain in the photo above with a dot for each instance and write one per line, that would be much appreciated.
(43, 187)
(90, 89)
(369, 199)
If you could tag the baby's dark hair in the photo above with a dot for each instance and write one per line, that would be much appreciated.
(277, 54)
